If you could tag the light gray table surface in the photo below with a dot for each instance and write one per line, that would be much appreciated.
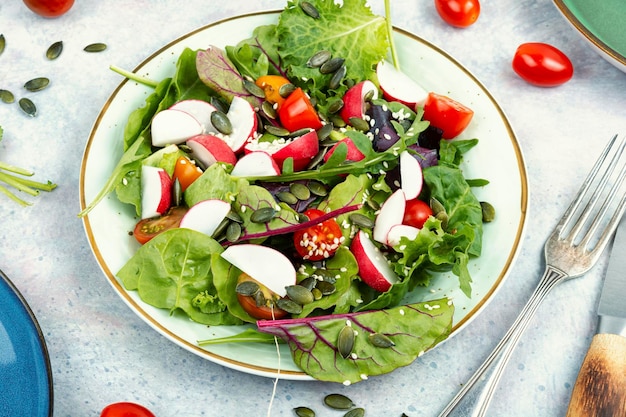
(101, 352)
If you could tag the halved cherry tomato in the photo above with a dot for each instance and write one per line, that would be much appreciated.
(185, 172)
(447, 114)
(297, 112)
(49, 8)
(271, 86)
(125, 409)
(416, 213)
(146, 229)
(263, 311)
(542, 65)
(458, 13)
(320, 241)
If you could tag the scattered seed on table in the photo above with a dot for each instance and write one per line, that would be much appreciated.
(95, 47)
(54, 50)
(37, 84)
(3, 43)
(28, 107)
(6, 96)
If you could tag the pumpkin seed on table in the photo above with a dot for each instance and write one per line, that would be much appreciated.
(6, 96)
(489, 212)
(355, 412)
(338, 402)
(37, 84)
(3, 43)
(304, 412)
(95, 47)
(28, 107)
(54, 50)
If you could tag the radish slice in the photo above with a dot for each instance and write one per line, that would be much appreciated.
(156, 191)
(255, 164)
(244, 122)
(411, 177)
(205, 216)
(374, 269)
(391, 213)
(200, 110)
(399, 231)
(397, 86)
(209, 149)
(173, 127)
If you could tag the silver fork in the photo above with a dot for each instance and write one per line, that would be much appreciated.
(572, 249)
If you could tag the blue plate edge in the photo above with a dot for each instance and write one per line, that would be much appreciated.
(40, 336)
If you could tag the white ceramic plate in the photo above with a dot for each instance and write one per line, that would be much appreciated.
(497, 158)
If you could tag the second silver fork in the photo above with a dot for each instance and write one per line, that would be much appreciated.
(571, 250)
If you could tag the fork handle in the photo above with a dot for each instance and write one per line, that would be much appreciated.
(474, 398)
(600, 388)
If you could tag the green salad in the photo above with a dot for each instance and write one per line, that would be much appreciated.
(315, 194)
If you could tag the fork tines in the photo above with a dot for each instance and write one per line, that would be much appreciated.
(584, 217)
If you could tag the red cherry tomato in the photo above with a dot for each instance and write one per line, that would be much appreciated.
(447, 114)
(186, 172)
(416, 213)
(49, 8)
(542, 65)
(146, 229)
(458, 13)
(263, 311)
(297, 112)
(125, 409)
(320, 241)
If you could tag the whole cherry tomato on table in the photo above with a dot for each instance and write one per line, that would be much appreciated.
(458, 13)
(49, 8)
(542, 64)
(126, 409)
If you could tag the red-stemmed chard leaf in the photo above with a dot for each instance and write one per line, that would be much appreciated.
(220, 74)
(413, 329)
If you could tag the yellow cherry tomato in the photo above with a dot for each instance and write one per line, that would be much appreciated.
(271, 86)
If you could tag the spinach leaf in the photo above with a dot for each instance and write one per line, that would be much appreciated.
(213, 183)
(412, 328)
(174, 269)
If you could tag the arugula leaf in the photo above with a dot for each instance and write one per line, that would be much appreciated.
(339, 28)
(174, 269)
(413, 329)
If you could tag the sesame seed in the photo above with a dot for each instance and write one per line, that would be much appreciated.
(401, 312)
(124, 181)
(353, 355)
(348, 323)
(363, 377)
(420, 354)
(243, 209)
(346, 382)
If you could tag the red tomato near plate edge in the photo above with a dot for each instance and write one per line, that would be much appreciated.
(49, 8)
(458, 13)
(125, 409)
(542, 64)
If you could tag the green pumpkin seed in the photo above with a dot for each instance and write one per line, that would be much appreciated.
(263, 215)
(325, 287)
(277, 131)
(3, 43)
(338, 402)
(253, 89)
(335, 105)
(233, 231)
(318, 59)
(373, 204)
(331, 65)
(299, 294)
(54, 50)
(309, 9)
(259, 299)
(380, 340)
(489, 212)
(37, 84)
(308, 283)
(317, 188)
(436, 206)
(355, 412)
(232, 215)
(219, 104)
(337, 121)
(304, 412)
(177, 193)
(268, 110)
(317, 159)
(317, 294)
(221, 122)
(220, 230)
(361, 220)
(286, 89)
(95, 47)
(443, 217)
(6, 96)
(299, 132)
(324, 132)
(287, 197)
(300, 190)
(359, 124)
(247, 288)
(337, 78)
(28, 107)
(345, 341)
(289, 306)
